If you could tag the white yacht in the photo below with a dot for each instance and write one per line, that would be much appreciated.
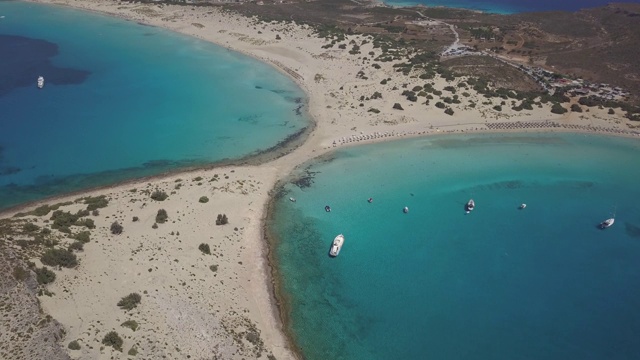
(337, 245)
(405, 210)
(522, 206)
(607, 223)
(40, 82)
(470, 205)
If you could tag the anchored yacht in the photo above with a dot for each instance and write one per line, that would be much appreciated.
(337, 245)
(40, 82)
(470, 205)
(607, 223)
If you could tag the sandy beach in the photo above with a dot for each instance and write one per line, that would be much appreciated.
(222, 305)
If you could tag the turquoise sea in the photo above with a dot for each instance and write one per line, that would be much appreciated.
(123, 100)
(509, 6)
(436, 283)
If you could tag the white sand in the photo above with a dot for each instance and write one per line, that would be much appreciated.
(186, 305)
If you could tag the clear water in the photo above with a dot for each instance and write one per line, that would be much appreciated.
(122, 100)
(508, 6)
(436, 283)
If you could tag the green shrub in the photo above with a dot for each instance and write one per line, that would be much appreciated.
(374, 110)
(159, 195)
(130, 301)
(45, 276)
(497, 108)
(449, 111)
(135, 218)
(133, 351)
(59, 257)
(222, 219)
(440, 105)
(611, 112)
(76, 245)
(74, 345)
(116, 228)
(96, 202)
(576, 108)
(114, 340)
(204, 199)
(558, 109)
(83, 236)
(213, 268)
(131, 324)
(162, 216)
(154, 226)
(30, 227)
(20, 273)
(205, 248)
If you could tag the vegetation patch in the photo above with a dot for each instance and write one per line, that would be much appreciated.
(159, 195)
(44, 275)
(116, 228)
(114, 340)
(130, 301)
(59, 257)
(205, 248)
(204, 199)
(161, 216)
(74, 345)
(131, 324)
(95, 202)
(222, 219)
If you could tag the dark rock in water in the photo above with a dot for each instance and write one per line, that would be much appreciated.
(632, 230)
(258, 87)
(24, 59)
(9, 170)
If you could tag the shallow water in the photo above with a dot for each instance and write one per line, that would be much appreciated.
(122, 100)
(436, 283)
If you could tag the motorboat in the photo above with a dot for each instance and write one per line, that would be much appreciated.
(607, 223)
(522, 206)
(40, 82)
(327, 208)
(370, 200)
(470, 206)
(292, 199)
(336, 245)
(405, 210)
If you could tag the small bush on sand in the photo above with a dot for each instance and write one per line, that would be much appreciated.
(159, 195)
(45, 276)
(76, 245)
(131, 324)
(74, 345)
(205, 248)
(114, 340)
(222, 219)
(59, 257)
(204, 199)
(130, 301)
(116, 228)
(162, 216)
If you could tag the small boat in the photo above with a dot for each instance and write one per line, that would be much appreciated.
(292, 199)
(470, 205)
(40, 82)
(327, 208)
(370, 200)
(405, 210)
(607, 223)
(522, 206)
(336, 245)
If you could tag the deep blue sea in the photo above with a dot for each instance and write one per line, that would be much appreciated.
(123, 100)
(436, 283)
(509, 6)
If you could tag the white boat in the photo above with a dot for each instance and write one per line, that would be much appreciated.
(40, 82)
(522, 206)
(405, 210)
(607, 223)
(292, 199)
(470, 205)
(337, 245)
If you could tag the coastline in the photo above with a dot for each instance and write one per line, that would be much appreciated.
(323, 135)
